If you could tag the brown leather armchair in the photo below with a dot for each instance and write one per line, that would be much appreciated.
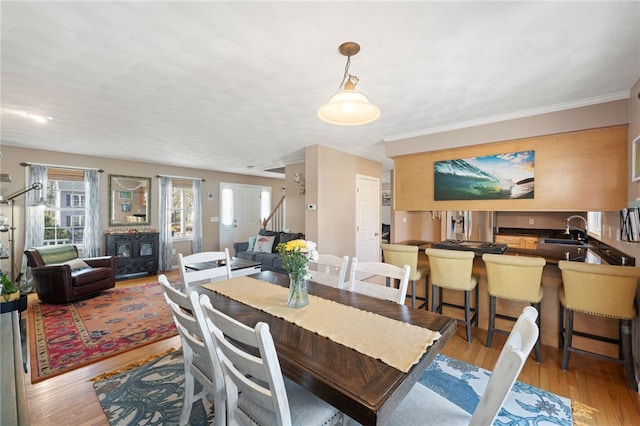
(61, 277)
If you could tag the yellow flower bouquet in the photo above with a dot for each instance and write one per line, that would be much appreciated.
(296, 255)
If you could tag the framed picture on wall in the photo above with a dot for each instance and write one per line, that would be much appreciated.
(635, 160)
(492, 177)
(126, 207)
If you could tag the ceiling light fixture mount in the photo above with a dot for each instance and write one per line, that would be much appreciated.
(348, 107)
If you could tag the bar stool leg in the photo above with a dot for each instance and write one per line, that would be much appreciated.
(625, 343)
(568, 340)
(477, 310)
(426, 292)
(537, 346)
(467, 314)
(492, 320)
(413, 293)
(434, 297)
(560, 326)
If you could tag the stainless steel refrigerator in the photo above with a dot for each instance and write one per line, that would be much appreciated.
(468, 225)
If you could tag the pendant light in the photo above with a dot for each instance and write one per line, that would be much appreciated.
(348, 107)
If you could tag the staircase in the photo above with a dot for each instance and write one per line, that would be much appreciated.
(276, 219)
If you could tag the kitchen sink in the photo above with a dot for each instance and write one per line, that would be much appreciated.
(565, 242)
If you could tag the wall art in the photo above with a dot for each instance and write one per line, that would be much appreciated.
(492, 177)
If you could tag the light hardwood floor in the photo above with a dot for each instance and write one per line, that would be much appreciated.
(69, 399)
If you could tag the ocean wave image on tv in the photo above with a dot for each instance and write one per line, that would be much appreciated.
(499, 177)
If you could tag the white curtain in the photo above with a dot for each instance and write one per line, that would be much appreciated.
(34, 221)
(92, 238)
(196, 242)
(164, 219)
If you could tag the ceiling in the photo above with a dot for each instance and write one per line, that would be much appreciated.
(235, 86)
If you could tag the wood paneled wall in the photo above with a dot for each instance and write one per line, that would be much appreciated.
(577, 171)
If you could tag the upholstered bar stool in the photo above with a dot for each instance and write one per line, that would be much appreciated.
(452, 269)
(603, 290)
(514, 278)
(400, 255)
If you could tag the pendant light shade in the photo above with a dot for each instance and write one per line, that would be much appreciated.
(348, 107)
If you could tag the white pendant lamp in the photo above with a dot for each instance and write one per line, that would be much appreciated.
(348, 107)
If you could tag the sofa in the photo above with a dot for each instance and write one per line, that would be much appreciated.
(262, 249)
(61, 276)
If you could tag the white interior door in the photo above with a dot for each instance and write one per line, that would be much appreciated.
(368, 200)
(240, 213)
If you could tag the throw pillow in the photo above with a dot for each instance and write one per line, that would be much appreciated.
(285, 237)
(57, 254)
(265, 233)
(77, 264)
(252, 242)
(264, 243)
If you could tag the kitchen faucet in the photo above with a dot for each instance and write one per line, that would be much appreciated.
(569, 227)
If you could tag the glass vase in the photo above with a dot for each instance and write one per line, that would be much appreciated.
(26, 281)
(298, 295)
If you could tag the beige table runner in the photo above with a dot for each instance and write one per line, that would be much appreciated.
(395, 343)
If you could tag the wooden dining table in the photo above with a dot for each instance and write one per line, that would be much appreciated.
(364, 388)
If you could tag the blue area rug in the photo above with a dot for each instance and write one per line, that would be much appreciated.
(151, 394)
(463, 384)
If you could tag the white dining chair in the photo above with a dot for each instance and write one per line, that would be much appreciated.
(376, 279)
(257, 393)
(423, 406)
(329, 270)
(198, 363)
(192, 278)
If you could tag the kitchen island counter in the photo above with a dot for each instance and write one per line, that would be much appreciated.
(551, 282)
(594, 252)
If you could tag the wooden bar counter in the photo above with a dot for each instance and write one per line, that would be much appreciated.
(551, 281)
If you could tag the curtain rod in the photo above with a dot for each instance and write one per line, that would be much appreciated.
(61, 167)
(181, 177)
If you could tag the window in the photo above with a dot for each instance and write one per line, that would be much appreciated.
(64, 215)
(182, 209)
(226, 207)
(75, 220)
(75, 200)
(594, 223)
(265, 203)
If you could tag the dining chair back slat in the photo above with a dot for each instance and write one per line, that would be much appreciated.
(256, 390)
(366, 276)
(425, 407)
(329, 270)
(193, 278)
(198, 363)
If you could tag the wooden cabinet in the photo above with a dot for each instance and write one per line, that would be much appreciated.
(510, 240)
(518, 241)
(135, 253)
(529, 243)
(565, 176)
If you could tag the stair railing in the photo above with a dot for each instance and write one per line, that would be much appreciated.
(277, 215)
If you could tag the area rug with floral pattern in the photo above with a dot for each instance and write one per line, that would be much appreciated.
(65, 337)
(151, 394)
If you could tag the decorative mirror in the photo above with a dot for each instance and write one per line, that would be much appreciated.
(129, 201)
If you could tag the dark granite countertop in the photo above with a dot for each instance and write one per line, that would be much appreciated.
(537, 232)
(596, 252)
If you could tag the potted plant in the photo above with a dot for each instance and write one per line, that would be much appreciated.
(9, 290)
